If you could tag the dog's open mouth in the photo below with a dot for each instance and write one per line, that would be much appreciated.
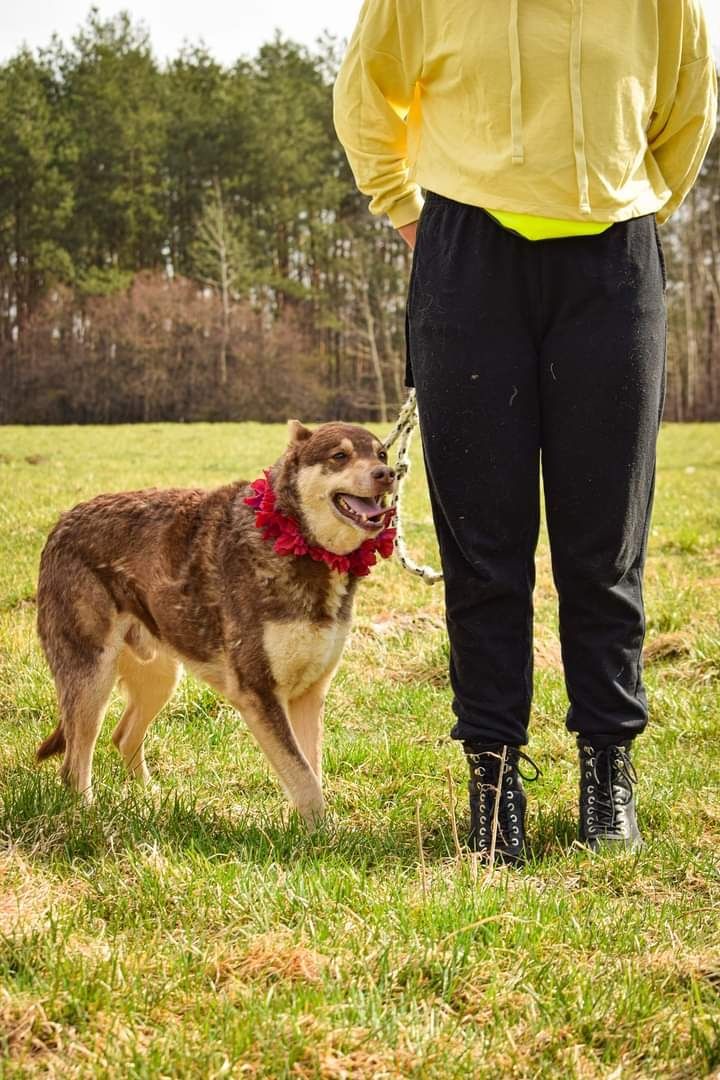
(367, 513)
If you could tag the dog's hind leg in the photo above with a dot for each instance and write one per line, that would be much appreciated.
(306, 717)
(83, 700)
(76, 621)
(269, 723)
(146, 687)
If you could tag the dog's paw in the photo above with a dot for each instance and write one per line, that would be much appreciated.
(313, 814)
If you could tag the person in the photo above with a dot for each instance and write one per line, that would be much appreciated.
(551, 140)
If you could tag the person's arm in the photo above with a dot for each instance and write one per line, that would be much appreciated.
(374, 90)
(684, 117)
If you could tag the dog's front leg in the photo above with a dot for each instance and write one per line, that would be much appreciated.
(306, 717)
(269, 723)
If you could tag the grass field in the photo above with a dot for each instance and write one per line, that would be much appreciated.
(199, 931)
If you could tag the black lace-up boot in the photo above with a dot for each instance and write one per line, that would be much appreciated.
(487, 788)
(607, 801)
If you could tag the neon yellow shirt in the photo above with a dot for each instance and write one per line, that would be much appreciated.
(578, 110)
(534, 227)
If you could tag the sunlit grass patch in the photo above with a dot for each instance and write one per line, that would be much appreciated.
(196, 929)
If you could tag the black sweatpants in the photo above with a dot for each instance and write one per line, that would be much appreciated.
(525, 351)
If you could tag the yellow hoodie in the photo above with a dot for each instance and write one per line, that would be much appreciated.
(583, 110)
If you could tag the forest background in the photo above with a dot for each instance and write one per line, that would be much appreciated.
(184, 241)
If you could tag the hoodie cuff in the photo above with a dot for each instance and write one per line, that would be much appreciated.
(406, 210)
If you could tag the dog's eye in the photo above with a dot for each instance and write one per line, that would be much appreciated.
(382, 454)
(340, 456)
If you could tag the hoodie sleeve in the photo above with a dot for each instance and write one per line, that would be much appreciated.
(683, 121)
(372, 95)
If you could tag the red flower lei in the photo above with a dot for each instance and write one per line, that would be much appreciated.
(289, 540)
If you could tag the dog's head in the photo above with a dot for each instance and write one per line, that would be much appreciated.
(334, 481)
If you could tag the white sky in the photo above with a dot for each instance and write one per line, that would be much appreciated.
(229, 28)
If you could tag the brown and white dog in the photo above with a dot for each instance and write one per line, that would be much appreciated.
(137, 584)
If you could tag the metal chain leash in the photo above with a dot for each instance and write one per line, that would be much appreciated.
(402, 433)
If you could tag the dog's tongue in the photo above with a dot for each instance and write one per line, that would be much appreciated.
(363, 506)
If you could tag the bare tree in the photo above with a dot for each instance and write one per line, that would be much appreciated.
(221, 262)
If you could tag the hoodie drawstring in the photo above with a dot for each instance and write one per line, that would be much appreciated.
(577, 113)
(518, 152)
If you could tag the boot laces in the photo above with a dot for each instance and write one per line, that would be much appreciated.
(613, 774)
(504, 788)
(513, 757)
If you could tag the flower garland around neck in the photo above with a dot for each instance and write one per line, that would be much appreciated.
(289, 540)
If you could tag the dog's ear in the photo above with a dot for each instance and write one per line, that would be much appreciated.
(297, 432)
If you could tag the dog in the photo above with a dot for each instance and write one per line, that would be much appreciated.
(249, 586)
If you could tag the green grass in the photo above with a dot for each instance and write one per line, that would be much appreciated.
(199, 931)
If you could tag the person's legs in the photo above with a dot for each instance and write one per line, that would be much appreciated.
(602, 387)
(602, 391)
(472, 356)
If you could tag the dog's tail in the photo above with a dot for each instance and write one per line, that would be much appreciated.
(54, 744)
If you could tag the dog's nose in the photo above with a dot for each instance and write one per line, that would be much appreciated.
(383, 473)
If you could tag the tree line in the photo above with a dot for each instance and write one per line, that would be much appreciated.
(185, 242)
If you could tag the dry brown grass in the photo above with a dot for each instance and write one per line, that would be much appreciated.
(268, 958)
(27, 894)
(394, 624)
(25, 1028)
(547, 652)
(667, 647)
(33, 1044)
(682, 965)
(353, 1054)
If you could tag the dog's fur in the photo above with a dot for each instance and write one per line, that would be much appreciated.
(135, 585)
